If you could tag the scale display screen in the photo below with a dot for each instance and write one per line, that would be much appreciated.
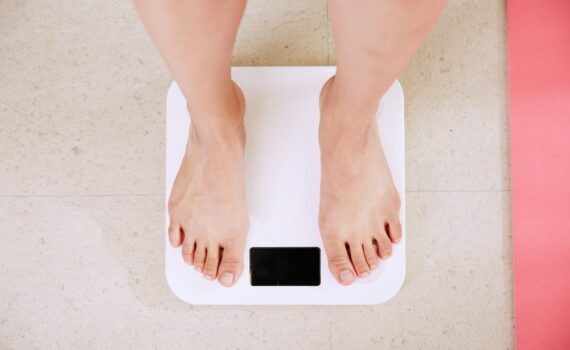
(284, 266)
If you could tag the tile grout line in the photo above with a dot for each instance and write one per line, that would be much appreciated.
(328, 33)
(460, 191)
(120, 195)
(161, 195)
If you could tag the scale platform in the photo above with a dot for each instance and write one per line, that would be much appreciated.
(282, 177)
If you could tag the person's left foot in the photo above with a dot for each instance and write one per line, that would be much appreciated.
(359, 205)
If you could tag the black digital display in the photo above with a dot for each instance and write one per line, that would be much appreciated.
(284, 266)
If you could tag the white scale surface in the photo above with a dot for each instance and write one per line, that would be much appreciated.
(283, 172)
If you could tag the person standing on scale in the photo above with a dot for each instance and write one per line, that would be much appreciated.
(359, 205)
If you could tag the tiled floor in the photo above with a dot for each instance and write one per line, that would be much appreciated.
(81, 182)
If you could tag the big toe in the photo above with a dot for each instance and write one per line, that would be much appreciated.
(174, 234)
(339, 262)
(231, 265)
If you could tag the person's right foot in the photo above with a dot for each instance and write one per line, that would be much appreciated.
(207, 206)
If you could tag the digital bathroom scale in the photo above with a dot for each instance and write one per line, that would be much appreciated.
(284, 259)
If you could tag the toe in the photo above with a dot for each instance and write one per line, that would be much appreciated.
(174, 235)
(188, 248)
(358, 259)
(370, 255)
(394, 230)
(200, 256)
(339, 262)
(384, 245)
(231, 265)
(212, 261)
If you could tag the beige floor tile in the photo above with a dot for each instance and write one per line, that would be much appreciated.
(88, 272)
(81, 100)
(456, 102)
(456, 90)
(83, 90)
(283, 33)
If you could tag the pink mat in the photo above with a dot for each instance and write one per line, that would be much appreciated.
(539, 73)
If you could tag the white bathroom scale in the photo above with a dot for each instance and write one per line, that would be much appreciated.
(282, 177)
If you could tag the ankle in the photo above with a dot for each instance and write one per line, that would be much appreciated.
(345, 123)
(219, 136)
(336, 139)
(215, 98)
(347, 97)
(218, 120)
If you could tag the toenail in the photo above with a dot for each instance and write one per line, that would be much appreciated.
(198, 268)
(346, 276)
(364, 274)
(372, 267)
(208, 277)
(227, 278)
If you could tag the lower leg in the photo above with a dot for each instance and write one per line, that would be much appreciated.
(207, 206)
(359, 209)
(195, 38)
(375, 39)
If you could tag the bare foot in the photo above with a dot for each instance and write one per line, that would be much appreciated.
(359, 205)
(207, 206)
